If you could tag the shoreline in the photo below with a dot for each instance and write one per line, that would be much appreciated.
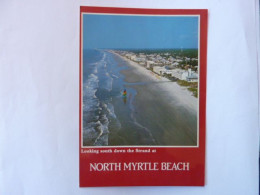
(175, 91)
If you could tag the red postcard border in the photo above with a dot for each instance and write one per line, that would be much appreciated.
(196, 156)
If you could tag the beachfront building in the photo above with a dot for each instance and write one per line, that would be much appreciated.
(128, 55)
(159, 70)
(139, 59)
(133, 57)
(162, 70)
(181, 74)
(149, 63)
(192, 76)
(167, 71)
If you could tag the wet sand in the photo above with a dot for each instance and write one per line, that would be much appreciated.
(167, 110)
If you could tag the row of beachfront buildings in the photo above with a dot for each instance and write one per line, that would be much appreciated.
(158, 59)
(164, 64)
(186, 75)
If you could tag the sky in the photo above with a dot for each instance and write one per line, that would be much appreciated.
(139, 32)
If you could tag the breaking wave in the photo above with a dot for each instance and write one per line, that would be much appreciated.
(97, 112)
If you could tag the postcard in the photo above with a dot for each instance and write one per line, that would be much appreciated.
(142, 97)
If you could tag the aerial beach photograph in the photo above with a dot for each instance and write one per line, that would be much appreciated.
(140, 78)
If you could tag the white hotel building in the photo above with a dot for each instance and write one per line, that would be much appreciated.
(189, 75)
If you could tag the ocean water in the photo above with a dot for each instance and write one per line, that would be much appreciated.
(103, 85)
(142, 118)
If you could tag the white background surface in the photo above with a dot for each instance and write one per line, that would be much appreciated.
(39, 94)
